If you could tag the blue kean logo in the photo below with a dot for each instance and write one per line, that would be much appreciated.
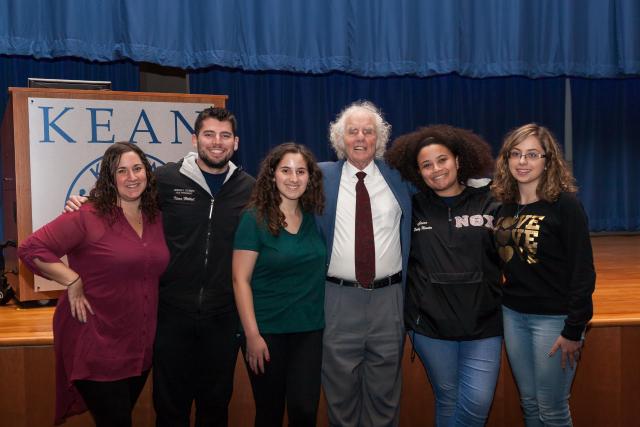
(86, 178)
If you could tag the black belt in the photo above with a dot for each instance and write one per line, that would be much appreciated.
(377, 284)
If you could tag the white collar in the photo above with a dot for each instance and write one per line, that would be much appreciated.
(351, 170)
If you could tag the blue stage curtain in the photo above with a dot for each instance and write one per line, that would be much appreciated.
(606, 129)
(15, 70)
(592, 38)
(275, 107)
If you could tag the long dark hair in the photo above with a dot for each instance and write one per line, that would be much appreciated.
(104, 195)
(266, 198)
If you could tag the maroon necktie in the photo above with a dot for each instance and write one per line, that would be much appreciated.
(365, 250)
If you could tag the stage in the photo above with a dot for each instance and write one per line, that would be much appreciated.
(605, 393)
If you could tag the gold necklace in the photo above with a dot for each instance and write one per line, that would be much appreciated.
(519, 210)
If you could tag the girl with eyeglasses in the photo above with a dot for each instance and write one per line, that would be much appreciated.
(543, 240)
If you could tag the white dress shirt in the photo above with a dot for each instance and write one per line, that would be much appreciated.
(386, 214)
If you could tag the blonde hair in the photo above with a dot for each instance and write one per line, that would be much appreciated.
(556, 177)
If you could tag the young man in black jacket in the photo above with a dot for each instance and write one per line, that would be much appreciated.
(201, 197)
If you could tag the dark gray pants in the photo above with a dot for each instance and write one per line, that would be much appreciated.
(362, 353)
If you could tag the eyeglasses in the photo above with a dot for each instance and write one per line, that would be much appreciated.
(530, 155)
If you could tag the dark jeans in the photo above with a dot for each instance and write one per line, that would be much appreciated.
(111, 402)
(292, 375)
(194, 360)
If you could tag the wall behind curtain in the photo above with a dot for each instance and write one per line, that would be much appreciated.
(606, 135)
(15, 70)
(274, 107)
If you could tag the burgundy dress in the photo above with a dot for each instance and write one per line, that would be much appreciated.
(120, 273)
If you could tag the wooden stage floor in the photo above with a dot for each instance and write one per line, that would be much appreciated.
(617, 297)
(616, 300)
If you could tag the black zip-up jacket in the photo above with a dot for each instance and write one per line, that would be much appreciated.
(199, 230)
(452, 285)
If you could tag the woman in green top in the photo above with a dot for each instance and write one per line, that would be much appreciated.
(278, 280)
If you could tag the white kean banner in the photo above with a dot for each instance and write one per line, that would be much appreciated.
(68, 137)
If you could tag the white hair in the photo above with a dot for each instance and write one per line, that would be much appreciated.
(337, 128)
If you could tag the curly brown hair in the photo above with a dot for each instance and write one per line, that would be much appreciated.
(266, 198)
(104, 194)
(473, 153)
(556, 177)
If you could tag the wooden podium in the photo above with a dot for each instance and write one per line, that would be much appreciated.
(99, 114)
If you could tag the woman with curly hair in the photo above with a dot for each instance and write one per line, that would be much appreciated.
(278, 280)
(543, 240)
(104, 325)
(452, 304)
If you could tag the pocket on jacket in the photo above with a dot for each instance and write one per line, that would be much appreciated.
(469, 277)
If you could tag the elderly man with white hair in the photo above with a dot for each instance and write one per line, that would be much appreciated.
(367, 227)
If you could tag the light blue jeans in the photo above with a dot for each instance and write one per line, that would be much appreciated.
(544, 386)
(463, 375)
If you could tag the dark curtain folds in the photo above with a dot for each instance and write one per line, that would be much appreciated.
(274, 107)
(542, 38)
(15, 70)
(606, 129)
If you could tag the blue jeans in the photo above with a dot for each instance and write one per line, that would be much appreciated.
(463, 375)
(544, 386)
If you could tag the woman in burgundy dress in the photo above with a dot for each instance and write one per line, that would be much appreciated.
(104, 324)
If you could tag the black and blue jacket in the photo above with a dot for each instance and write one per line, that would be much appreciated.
(453, 289)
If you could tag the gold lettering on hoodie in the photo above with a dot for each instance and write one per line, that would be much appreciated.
(524, 233)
